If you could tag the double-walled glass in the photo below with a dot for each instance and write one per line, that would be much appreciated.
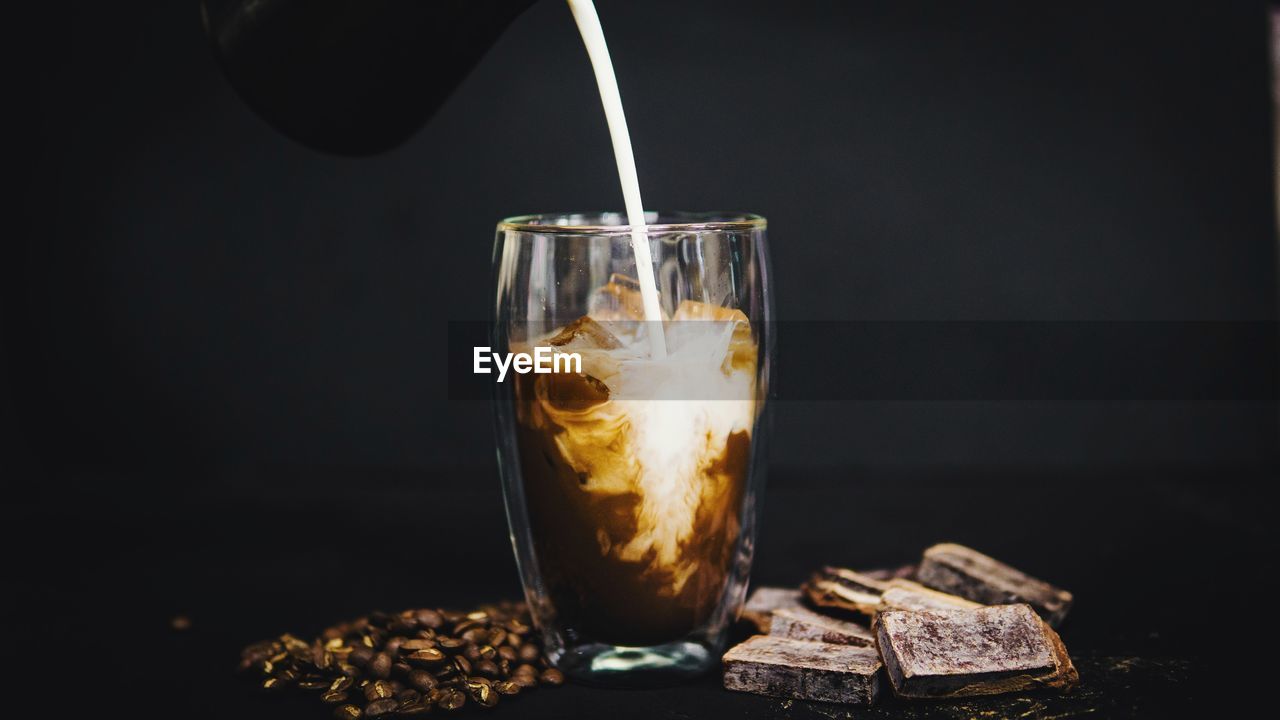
(632, 480)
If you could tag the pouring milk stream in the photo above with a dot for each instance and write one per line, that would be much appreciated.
(584, 14)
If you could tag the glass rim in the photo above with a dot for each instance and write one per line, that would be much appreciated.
(581, 223)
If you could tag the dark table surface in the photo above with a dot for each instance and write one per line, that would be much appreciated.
(250, 553)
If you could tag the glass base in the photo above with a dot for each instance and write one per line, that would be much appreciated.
(619, 666)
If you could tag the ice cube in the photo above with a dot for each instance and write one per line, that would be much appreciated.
(619, 300)
(741, 351)
(694, 310)
(572, 392)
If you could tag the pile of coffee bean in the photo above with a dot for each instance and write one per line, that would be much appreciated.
(403, 665)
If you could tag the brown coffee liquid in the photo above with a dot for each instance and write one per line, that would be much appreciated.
(629, 554)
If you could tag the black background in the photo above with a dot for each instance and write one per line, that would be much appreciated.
(225, 363)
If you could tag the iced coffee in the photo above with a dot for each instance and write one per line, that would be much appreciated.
(635, 469)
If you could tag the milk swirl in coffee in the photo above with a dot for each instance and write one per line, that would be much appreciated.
(636, 468)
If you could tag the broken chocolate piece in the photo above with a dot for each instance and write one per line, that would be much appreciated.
(910, 595)
(853, 580)
(829, 594)
(800, 623)
(783, 667)
(968, 573)
(764, 600)
(984, 651)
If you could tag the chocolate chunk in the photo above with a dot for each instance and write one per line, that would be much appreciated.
(984, 651)
(783, 667)
(853, 580)
(801, 623)
(764, 600)
(828, 593)
(968, 573)
(908, 595)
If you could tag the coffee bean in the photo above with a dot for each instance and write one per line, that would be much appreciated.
(425, 656)
(477, 635)
(348, 670)
(528, 652)
(508, 653)
(416, 644)
(273, 683)
(507, 687)
(527, 681)
(471, 652)
(552, 676)
(401, 669)
(402, 625)
(360, 656)
(378, 690)
(313, 683)
(378, 708)
(482, 693)
(392, 647)
(260, 651)
(412, 709)
(377, 617)
(380, 666)
(422, 680)
(408, 695)
(487, 668)
(429, 619)
(497, 636)
(518, 627)
(451, 644)
(462, 664)
(320, 655)
(333, 697)
(452, 700)
(294, 645)
(348, 712)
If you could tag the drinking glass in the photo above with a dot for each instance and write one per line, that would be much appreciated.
(632, 480)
